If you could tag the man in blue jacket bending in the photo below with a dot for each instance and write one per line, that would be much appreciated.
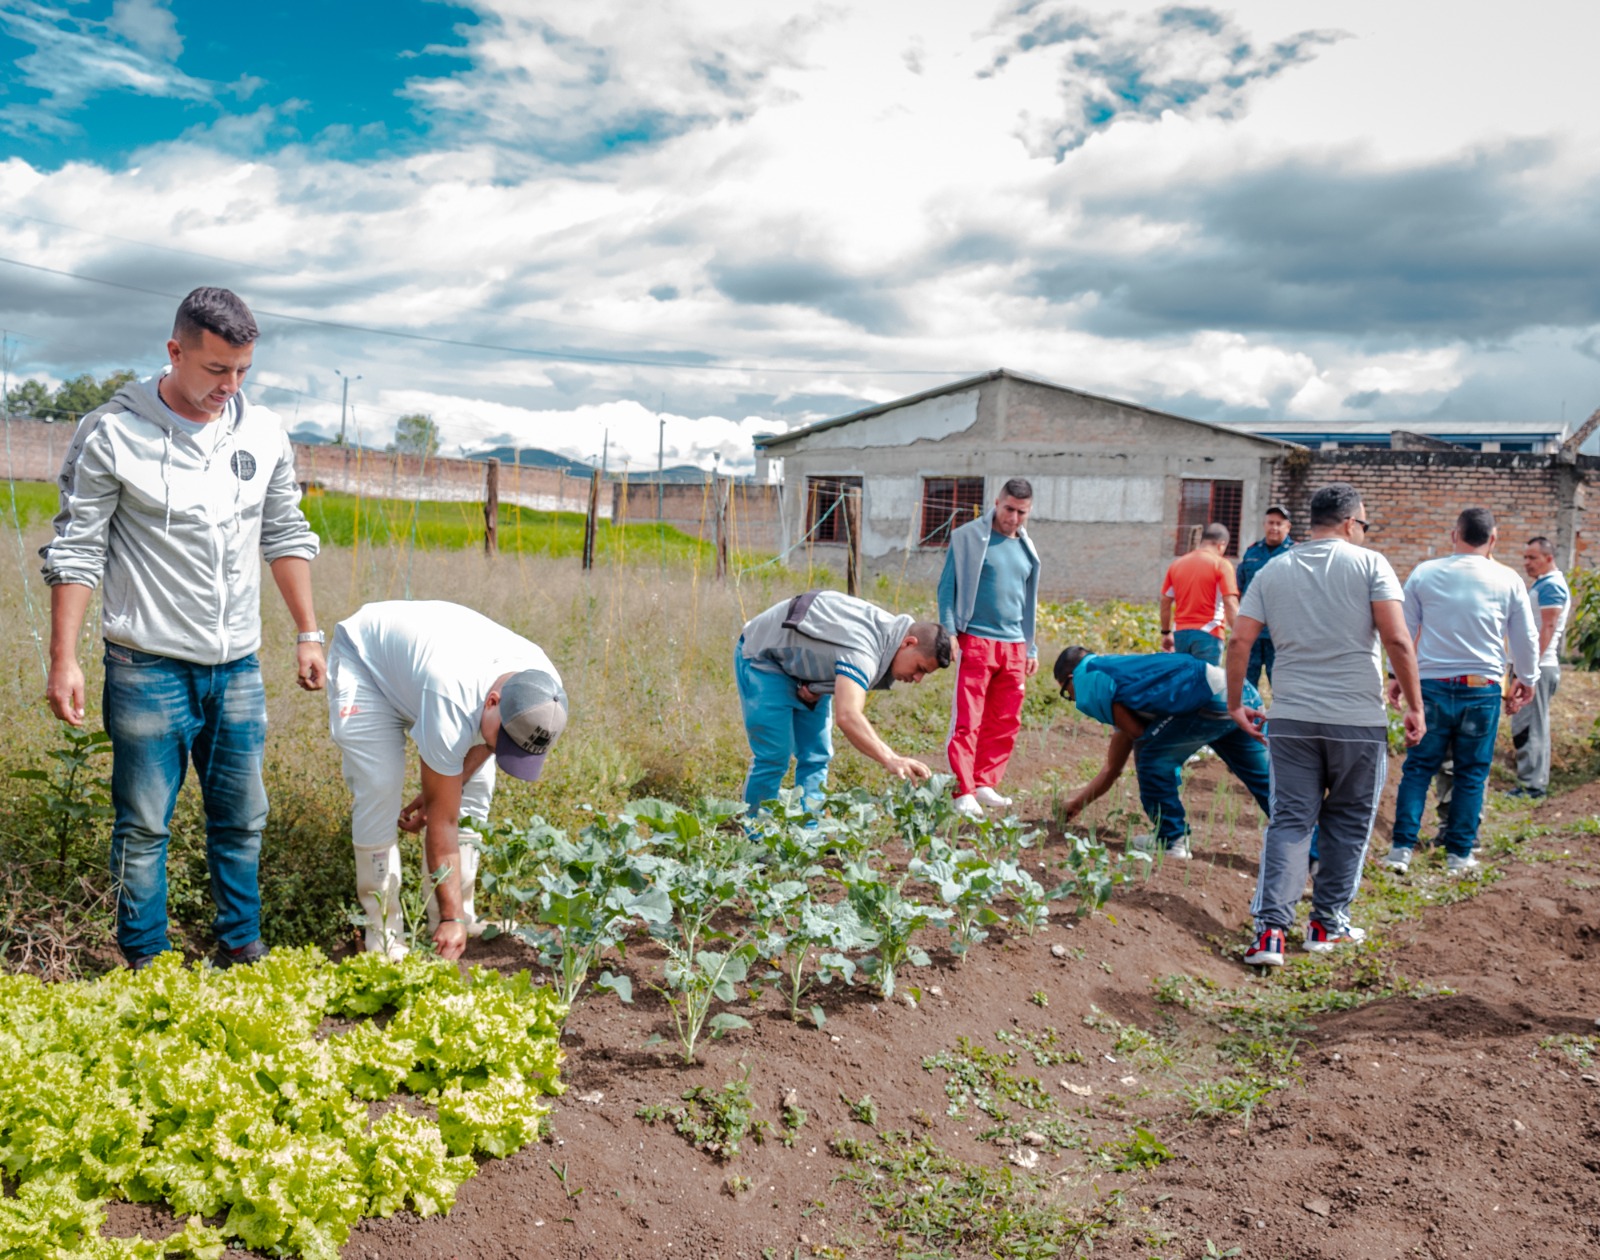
(1165, 707)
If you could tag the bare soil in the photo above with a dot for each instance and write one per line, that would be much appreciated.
(1427, 1125)
(1430, 1119)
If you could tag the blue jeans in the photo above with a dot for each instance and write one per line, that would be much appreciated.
(160, 713)
(1168, 742)
(781, 726)
(1465, 719)
(1262, 656)
(1201, 644)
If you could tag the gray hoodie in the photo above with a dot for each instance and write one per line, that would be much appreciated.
(174, 528)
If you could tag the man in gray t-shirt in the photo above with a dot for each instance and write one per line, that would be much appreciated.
(795, 659)
(1329, 603)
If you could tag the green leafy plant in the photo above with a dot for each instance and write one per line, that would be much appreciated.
(214, 1093)
(696, 977)
(889, 919)
(1141, 1149)
(716, 1122)
(75, 793)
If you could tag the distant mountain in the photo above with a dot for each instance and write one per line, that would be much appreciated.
(535, 458)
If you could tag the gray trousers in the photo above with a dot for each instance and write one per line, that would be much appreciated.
(1530, 731)
(1328, 778)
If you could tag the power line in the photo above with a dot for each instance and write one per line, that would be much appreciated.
(555, 356)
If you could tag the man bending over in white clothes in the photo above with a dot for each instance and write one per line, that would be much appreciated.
(472, 695)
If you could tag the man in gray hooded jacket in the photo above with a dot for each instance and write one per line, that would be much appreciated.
(168, 492)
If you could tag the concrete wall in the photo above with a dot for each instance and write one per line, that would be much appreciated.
(1107, 480)
(1416, 495)
(754, 511)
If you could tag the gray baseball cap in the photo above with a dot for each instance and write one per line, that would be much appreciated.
(533, 713)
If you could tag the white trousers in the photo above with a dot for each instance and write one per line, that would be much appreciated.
(371, 735)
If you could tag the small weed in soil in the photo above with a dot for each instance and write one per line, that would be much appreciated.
(982, 1078)
(864, 1111)
(923, 1201)
(716, 1122)
(1042, 1046)
(1141, 1149)
(1580, 1049)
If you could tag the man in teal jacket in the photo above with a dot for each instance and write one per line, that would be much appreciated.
(988, 597)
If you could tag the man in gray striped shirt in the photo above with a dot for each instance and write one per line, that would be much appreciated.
(795, 659)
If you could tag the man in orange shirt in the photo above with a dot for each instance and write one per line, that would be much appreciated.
(1199, 599)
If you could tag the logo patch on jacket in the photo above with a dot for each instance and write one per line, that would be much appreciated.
(244, 465)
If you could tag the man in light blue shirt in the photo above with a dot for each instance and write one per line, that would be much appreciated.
(1530, 725)
(1462, 611)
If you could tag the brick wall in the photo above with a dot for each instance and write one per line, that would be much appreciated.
(753, 510)
(1416, 495)
(33, 451)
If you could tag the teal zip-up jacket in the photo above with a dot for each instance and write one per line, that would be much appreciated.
(963, 568)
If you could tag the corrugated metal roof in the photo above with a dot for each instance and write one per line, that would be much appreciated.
(766, 441)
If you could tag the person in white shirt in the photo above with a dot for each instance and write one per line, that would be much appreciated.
(1462, 611)
(1530, 725)
(472, 695)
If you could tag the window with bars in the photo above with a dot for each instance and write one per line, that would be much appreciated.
(1202, 502)
(946, 503)
(826, 521)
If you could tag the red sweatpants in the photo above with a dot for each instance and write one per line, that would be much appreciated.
(986, 710)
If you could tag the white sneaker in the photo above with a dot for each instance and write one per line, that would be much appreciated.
(989, 797)
(1144, 842)
(1461, 865)
(967, 806)
(1180, 849)
(1398, 860)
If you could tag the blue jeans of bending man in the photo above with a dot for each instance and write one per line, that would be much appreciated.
(1460, 718)
(1168, 742)
(1262, 656)
(161, 714)
(1201, 644)
(781, 727)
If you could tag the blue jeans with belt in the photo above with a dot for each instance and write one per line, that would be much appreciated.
(781, 726)
(161, 713)
(1459, 717)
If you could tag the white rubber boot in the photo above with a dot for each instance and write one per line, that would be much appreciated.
(469, 877)
(378, 889)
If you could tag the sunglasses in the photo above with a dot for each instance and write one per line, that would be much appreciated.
(1366, 526)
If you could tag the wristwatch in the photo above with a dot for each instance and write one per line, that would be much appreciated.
(310, 636)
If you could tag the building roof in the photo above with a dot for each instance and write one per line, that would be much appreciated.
(1310, 431)
(765, 442)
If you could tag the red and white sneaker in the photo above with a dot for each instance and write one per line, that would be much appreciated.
(1321, 939)
(1267, 951)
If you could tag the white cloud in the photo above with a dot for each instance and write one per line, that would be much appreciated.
(838, 191)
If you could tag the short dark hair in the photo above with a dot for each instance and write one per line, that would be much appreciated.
(1277, 509)
(1216, 532)
(1018, 488)
(1334, 504)
(934, 640)
(1068, 662)
(1543, 544)
(216, 311)
(1475, 525)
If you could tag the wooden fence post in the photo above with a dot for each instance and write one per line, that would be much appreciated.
(594, 516)
(719, 494)
(852, 540)
(491, 508)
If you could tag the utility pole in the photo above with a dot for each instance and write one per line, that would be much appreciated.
(661, 459)
(344, 400)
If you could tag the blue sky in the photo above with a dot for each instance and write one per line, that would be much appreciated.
(544, 222)
(97, 82)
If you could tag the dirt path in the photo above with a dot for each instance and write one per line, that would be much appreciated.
(1427, 1123)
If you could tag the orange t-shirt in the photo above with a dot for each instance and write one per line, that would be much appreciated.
(1197, 584)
